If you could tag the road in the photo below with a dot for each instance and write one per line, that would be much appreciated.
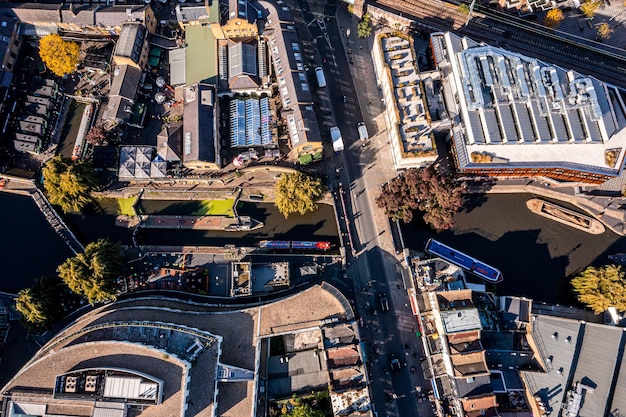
(392, 393)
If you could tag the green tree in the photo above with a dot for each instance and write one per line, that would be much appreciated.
(437, 197)
(463, 8)
(601, 288)
(69, 184)
(60, 57)
(589, 7)
(40, 305)
(297, 193)
(94, 272)
(302, 409)
(364, 28)
(553, 18)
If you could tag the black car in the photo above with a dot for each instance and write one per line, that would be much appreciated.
(394, 362)
(384, 301)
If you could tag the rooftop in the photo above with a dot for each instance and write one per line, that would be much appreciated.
(130, 41)
(460, 320)
(200, 55)
(519, 112)
(199, 135)
(288, 61)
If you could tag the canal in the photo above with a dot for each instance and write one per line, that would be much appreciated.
(536, 255)
(318, 225)
(70, 130)
(29, 248)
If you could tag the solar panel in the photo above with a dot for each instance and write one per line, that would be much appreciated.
(491, 122)
(543, 130)
(476, 126)
(576, 125)
(507, 123)
(523, 122)
(559, 127)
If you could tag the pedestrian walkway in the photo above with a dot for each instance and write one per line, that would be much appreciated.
(58, 225)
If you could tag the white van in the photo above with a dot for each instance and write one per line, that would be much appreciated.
(319, 74)
(363, 135)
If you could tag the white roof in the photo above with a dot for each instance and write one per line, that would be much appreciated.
(128, 387)
(525, 113)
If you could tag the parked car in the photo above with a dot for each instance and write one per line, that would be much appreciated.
(394, 363)
(384, 301)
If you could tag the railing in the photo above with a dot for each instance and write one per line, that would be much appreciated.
(56, 222)
(541, 347)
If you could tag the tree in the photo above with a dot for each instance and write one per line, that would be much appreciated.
(69, 184)
(60, 57)
(423, 189)
(96, 136)
(553, 18)
(302, 409)
(601, 288)
(364, 29)
(589, 7)
(40, 305)
(463, 8)
(297, 193)
(604, 31)
(94, 272)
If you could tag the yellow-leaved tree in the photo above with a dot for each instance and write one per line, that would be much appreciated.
(553, 18)
(589, 7)
(61, 57)
(297, 193)
(601, 288)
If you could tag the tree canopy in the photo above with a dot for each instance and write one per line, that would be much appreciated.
(94, 272)
(61, 57)
(604, 31)
(553, 18)
(589, 7)
(601, 288)
(69, 184)
(40, 305)
(96, 136)
(437, 197)
(364, 28)
(297, 193)
(302, 409)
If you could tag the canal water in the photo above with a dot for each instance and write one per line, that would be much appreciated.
(318, 225)
(29, 248)
(70, 130)
(536, 255)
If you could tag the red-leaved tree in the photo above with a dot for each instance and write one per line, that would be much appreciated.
(437, 197)
(96, 136)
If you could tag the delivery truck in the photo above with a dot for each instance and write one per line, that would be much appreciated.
(335, 135)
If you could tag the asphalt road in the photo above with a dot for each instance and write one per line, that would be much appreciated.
(366, 269)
